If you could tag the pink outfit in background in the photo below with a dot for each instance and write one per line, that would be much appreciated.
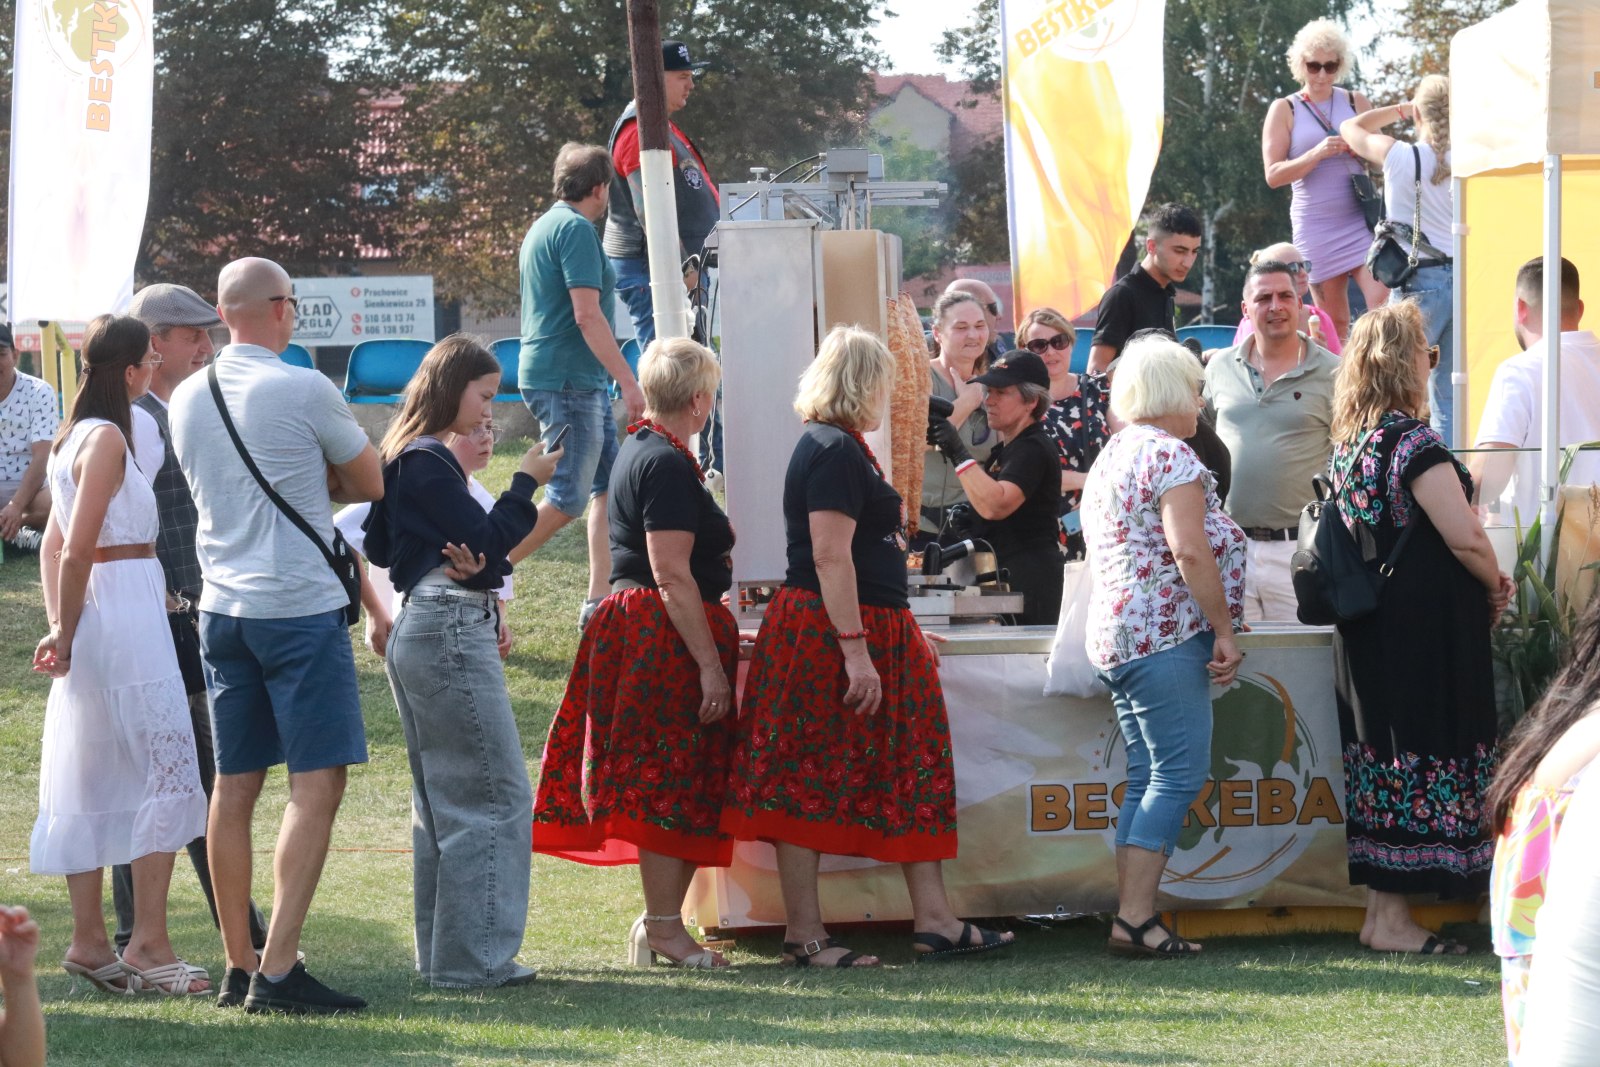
(1330, 336)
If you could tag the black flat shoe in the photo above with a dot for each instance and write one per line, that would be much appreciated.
(799, 955)
(942, 948)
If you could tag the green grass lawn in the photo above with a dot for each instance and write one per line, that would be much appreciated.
(1058, 999)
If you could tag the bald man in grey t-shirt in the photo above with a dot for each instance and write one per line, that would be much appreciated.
(280, 673)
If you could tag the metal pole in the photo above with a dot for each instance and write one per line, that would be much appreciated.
(659, 212)
(1550, 447)
(1458, 354)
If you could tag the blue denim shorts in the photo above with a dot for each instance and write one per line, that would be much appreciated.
(591, 446)
(282, 690)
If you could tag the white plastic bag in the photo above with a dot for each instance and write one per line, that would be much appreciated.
(1069, 672)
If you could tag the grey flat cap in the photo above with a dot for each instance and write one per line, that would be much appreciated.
(165, 304)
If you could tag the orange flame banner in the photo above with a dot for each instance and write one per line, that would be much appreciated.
(1083, 91)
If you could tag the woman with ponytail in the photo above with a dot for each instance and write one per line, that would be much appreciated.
(118, 782)
(1433, 285)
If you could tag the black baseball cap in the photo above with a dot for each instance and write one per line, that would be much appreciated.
(675, 56)
(1017, 367)
(6, 340)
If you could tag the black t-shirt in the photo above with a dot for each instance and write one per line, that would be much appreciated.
(1136, 302)
(1031, 463)
(829, 472)
(654, 487)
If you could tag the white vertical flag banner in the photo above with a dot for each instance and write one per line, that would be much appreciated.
(1083, 93)
(81, 97)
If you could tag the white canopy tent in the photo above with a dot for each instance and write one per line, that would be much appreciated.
(1524, 91)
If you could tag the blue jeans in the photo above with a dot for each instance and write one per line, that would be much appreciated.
(591, 447)
(471, 804)
(1433, 288)
(633, 285)
(1163, 704)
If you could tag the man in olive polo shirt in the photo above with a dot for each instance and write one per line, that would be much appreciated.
(1271, 399)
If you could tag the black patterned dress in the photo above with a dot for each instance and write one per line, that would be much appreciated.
(1414, 684)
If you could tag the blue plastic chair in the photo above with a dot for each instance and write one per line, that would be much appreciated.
(297, 356)
(380, 369)
(1209, 336)
(508, 350)
(1082, 340)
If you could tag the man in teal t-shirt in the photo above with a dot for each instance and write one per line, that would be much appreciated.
(569, 355)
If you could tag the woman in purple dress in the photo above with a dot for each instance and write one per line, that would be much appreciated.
(1301, 146)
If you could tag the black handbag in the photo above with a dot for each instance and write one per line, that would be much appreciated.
(1333, 580)
(1369, 198)
(1388, 260)
(340, 559)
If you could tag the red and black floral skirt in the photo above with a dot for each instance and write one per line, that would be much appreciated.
(628, 764)
(809, 771)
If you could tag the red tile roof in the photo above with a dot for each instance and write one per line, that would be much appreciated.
(973, 125)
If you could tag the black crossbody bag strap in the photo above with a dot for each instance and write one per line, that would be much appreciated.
(272, 494)
(1386, 568)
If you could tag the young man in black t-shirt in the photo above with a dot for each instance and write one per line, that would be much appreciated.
(1146, 297)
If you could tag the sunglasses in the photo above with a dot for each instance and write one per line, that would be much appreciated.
(1433, 356)
(294, 301)
(1330, 67)
(992, 308)
(1060, 342)
(1302, 266)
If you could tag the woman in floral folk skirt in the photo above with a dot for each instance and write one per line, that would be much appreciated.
(636, 763)
(843, 744)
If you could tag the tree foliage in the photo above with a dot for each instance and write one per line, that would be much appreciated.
(979, 231)
(262, 140)
(1427, 26)
(492, 89)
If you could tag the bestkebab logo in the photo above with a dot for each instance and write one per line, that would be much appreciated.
(1262, 778)
(92, 39)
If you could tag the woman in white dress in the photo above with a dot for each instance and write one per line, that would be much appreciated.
(118, 781)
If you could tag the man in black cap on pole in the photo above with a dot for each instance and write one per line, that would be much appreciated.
(699, 206)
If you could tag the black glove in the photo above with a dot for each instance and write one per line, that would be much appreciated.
(943, 435)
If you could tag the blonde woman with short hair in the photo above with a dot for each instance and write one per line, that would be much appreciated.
(1301, 146)
(1168, 570)
(844, 744)
(636, 764)
(1413, 680)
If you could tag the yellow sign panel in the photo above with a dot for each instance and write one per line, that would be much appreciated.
(1503, 211)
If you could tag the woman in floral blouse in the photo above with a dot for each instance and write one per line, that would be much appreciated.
(636, 763)
(844, 744)
(1413, 681)
(1077, 419)
(1168, 569)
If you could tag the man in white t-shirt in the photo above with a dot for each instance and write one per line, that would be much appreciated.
(1513, 415)
(28, 419)
(279, 668)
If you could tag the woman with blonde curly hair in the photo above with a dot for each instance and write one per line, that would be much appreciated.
(1413, 680)
(1412, 173)
(1301, 146)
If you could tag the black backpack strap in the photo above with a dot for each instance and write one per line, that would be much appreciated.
(272, 494)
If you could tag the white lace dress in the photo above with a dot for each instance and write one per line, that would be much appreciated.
(117, 778)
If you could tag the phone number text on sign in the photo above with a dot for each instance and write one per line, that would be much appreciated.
(345, 311)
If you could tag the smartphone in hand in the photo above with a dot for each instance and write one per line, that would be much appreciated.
(561, 435)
